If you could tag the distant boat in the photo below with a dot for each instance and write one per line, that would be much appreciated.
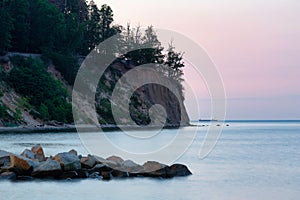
(208, 120)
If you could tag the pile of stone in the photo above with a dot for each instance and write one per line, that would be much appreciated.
(33, 163)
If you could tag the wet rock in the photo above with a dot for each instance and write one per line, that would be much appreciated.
(4, 157)
(21, 164)
(49, 168)
(178, 170)
(100, 160)
(94, 175)
(101, 168)
(106, 175)
(155, 169)
(152, 166)
(38, 152)
(24, 178)
(119, 173)
(68, 161)
(27, 154)
(8, 176)
(83, 173)
(115, 159)
(74, 152)
(88, 162)
(132, 167)
(69, 175)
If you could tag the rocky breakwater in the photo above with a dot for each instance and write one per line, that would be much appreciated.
(33, 164)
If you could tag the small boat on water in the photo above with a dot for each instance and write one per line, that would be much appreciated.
(208, 120)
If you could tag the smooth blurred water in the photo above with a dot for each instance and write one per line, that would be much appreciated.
(252, 160)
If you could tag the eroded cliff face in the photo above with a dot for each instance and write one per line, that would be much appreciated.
(142, 100)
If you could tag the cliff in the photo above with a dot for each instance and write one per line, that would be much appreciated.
(22, 102)
(142, 99)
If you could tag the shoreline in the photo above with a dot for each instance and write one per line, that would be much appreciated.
(82, 128)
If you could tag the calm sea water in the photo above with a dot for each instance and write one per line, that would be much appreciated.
(252, 160)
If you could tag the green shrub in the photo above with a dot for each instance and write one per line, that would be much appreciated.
(30, 79)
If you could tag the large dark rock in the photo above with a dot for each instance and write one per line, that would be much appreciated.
(68, 161)
(38, 152)
(88, 162)
(155, 169)
(8, 176)
(178, 170)
(49, 168)
(4, 158)
(106, 176)
(101, 168)
(119, 173)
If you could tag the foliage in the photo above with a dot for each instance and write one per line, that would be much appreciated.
(6, 26)
(62, 31)
(30, 79)
(2, 110)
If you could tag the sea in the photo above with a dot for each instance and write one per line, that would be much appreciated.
(252, 160)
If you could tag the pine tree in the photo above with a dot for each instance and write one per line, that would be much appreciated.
(19, 10)
(6, 26)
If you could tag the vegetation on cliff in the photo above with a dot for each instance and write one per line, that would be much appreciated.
(61, 33)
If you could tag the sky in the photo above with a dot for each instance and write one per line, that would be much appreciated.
(254, 44)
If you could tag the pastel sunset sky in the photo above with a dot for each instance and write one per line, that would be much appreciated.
(255, 45)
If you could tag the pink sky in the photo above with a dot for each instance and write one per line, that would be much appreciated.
(255, 45)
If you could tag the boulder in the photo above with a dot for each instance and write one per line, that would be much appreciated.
(49, 168)
(88, 162)
(155, 169)
(152, 166)
(8, 176)
(38, 152)
(68, 161)
(4, 158)
(115, 159)
(119, 173)
(94, 175)
(130, 166)
(105, 175)
(74, 152)
(178, 170)
(83, 173)
(111, 163)
(24, 178)
(28, 154)
(21, 164)
(101, 168)
(69, 175)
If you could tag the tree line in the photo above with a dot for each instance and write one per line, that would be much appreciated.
(62, 30)
(41, 26)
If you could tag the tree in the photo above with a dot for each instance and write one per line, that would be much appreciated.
(43, 110)
(93, 29)
(175, 63)
(6, 26)
(148, 47)
(47, 27)
(19, 10)
(106, 19)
